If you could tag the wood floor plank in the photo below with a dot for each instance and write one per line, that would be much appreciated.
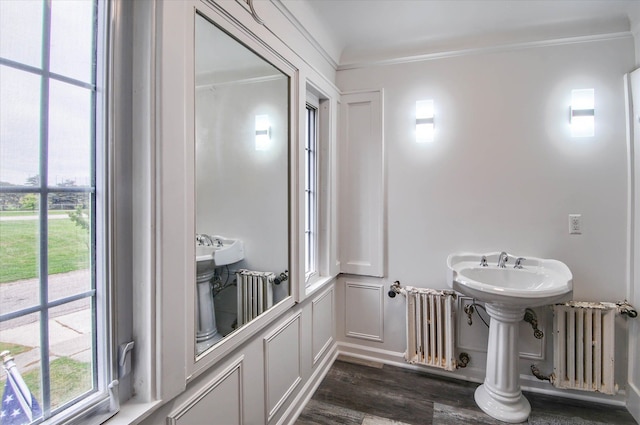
(413, 397)
(374, 391)
(319, 413)
(449, 415)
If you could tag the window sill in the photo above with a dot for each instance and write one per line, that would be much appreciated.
(317, 284)
(133, 412)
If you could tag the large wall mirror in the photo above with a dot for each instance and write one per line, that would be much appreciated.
(242, 184)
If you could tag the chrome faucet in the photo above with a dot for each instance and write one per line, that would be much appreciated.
(519, 261)
(483, 261)
(203, 240)
(502, 259)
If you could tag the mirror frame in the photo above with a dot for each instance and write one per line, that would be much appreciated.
(198, 363)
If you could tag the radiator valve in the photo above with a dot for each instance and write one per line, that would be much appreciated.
(530, 317)
(394, 289)
(625, 308)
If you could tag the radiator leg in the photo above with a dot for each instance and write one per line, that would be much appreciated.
(500, 395)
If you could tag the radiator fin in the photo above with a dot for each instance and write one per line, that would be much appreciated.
(584, 347)
(255, 294)
(430, 325)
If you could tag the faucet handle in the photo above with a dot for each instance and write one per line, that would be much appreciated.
(483, 261)
(519, 261)
(503, 258)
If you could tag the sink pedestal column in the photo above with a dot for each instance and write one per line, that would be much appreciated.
(500, 395)
(207, 331)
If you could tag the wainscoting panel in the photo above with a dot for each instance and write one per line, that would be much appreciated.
(474, 337)
(364, 315)
(529, 346)
(362, 184)
(281, 364)
(219, 402)
(322, 324)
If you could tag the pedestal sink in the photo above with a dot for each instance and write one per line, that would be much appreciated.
(507, 290)
(217, 251)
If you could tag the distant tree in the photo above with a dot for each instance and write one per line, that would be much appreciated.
(9, 201)
(33, 180)
(81, 220)
(29, 202)
(64, 200)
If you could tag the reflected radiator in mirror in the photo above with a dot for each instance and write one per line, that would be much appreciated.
(255, 294)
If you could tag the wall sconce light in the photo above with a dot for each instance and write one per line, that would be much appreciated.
(424, 121)
(263, 132)
(582, 113)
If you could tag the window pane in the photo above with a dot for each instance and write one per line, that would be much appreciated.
(21, 31)
(21, 337)
(19, 257)
(70, 351)
(69, 244)
(72, 38)
(19, 125)
(70, 122)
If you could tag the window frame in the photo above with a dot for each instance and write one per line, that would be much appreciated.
(101, 402)
(311, 188)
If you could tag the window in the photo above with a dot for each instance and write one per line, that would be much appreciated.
(311, 193)
(54, 291)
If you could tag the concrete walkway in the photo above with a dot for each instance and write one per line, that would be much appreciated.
(32, 217)
(69, 324)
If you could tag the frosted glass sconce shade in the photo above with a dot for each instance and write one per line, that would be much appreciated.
(263, 132)
(582, 113)
(424, 121)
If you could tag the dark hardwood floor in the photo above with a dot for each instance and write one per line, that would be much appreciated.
(367, 393)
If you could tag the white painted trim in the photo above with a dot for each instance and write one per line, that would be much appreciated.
(369, 286)
(176, 414)
(319, 284)
(633, 401)
(303, 31)
(633, 286)
(328, 293)
(484, 50)
(374, 261)
(312, 384)
(294, 384)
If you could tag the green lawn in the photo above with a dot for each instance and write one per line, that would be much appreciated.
(68, 248)
(69, 379)
(14, 349)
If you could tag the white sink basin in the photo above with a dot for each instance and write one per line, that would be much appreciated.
(224, 251)
(538, 282)
(221, 252)
(507, 291)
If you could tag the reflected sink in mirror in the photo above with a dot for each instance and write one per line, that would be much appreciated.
(211, 252)
(538, 282)
(241, 156)
(222, 252)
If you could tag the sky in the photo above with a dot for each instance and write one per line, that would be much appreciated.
(68, 105)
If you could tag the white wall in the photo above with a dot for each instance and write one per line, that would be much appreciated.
(504, 172)
(242, 193)
(634, 21)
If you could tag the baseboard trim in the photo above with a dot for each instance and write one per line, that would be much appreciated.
(304, 395)
(633, 401)
(528, 383)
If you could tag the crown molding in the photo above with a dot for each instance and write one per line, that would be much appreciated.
(303, 31)
(485, 50)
